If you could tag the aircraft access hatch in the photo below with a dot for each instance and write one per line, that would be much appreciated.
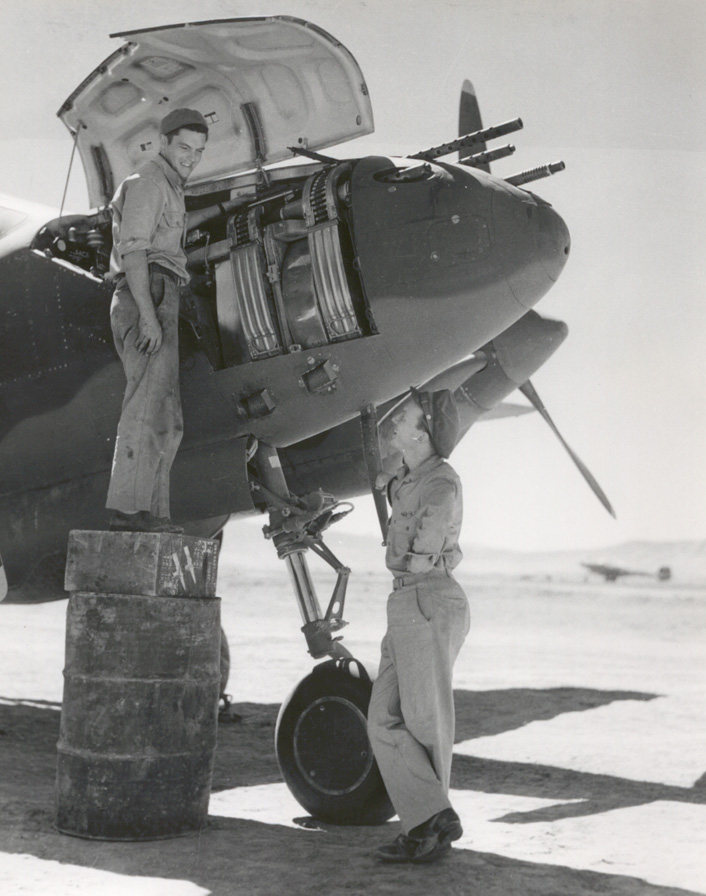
(264, 84)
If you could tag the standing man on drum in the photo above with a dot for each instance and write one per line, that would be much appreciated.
(148, 266)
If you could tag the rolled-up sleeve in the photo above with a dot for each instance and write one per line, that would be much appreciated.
(142, 209)
(437, 523)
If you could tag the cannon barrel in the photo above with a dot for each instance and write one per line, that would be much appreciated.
(524, 177)
(490, 155)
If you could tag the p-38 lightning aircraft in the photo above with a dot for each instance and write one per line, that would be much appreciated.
(334, 286)
(612, 573)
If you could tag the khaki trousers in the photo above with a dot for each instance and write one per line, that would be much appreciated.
(411, 718)
(151, 425)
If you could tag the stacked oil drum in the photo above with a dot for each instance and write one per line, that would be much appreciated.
(141, 686)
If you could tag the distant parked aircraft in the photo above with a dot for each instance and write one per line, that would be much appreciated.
(613, 573)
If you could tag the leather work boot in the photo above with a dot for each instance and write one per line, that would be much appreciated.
(427, 842)
(435, 836)
(142, 521)
(400, 850)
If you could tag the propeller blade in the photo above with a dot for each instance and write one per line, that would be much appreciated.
(469, 120)
(506, 409)
(530, 393)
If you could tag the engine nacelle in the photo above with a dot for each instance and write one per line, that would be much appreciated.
(513, 357)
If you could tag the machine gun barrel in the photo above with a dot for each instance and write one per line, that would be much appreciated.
(490, 155)
(524, 177)
(483, 136)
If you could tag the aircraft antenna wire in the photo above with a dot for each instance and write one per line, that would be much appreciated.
(68, 173)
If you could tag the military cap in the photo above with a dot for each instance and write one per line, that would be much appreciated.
(182, 118)
(441, 418)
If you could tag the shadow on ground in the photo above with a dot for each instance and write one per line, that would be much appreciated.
(484, 713)
(236, 857)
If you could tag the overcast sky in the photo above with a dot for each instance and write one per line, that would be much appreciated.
(618, 91)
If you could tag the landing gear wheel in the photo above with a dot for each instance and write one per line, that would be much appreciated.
(323, 749)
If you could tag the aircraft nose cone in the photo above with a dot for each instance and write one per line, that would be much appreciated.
(532, 240)
(553, 240)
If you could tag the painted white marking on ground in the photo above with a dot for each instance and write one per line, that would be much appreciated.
(661, 740)
(663, 842)
(266, 803)
(37, 704)
(24, 874)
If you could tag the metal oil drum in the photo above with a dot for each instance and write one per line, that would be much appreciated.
(139, 716)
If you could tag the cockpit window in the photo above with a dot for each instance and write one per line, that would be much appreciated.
(9, 219)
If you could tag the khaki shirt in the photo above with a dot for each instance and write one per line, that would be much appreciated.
(427, 511)
(149, 214)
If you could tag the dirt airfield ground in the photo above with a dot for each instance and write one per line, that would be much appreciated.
(579, 765)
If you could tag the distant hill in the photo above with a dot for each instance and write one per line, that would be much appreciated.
(245, 547)
(686, 559)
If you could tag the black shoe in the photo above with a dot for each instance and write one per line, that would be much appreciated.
(125, 522)
(142, 521)
(400, 850)
(427, 842)
(435, 836)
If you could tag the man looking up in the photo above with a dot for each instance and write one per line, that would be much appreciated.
(411, 714)
(148, 265)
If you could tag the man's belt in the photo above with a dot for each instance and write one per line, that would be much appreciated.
(166, 272)
(414, 577)
(120, 281)
(402, 581)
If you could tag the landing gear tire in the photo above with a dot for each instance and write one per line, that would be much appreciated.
(323, 749)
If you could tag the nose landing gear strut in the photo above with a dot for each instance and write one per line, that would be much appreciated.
(295, 527)
(321, 737)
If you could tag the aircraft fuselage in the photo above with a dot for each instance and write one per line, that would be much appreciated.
(335, 287)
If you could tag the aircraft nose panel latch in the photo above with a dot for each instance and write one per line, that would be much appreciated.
(320, 377)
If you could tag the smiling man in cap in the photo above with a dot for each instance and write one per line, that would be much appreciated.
(148, 266)
(411, 714)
